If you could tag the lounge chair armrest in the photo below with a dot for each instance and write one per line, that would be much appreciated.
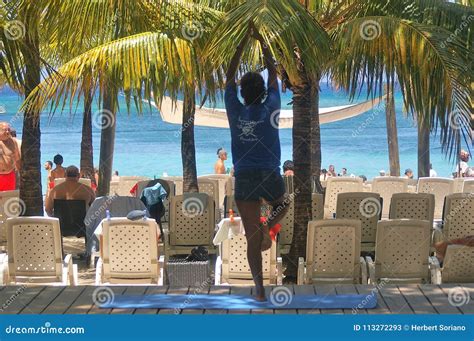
(3, 269)
(363, 270)
(68, 270)
(371, 268)
(301, 276)
(279, 270)
(161, 270)
(435, 269)
(218, 272)
(98, 272)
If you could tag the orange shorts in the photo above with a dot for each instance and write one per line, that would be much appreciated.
(8, 181)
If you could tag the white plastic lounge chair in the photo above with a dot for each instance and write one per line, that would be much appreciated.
(211, 188)
(386, 186)
(286, 233)
(232, 266)
(9, 208)
(402, 250)
(222, 180)
(333, 253)
(114, 188)
(35, 254)
(230, 186)
(336, 186)
(187, 231)
(458, 266)
(129, 252)
(83, 181)
(458, 185)
(418, 206)
(366, 208)
(317, 206)
(178, 182)
(126, 183)
(468, 186)
(440, 187)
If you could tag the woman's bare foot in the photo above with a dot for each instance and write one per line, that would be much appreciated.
(260, 295)
(266, 240)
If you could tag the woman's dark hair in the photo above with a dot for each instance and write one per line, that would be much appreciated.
(58, 159)
(219, 150)
(252, 88)
(288, 165)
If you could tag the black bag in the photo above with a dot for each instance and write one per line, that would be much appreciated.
(198, 254)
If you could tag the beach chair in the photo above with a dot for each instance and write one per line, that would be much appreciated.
(178, 182)
(129, 253)
(468, 186)
(286, 233)
(126, 183)
(83, 181)
(418, 206)
(317, 206)
(386, 186)
(458, 219)
(230, 186)
(35, 253)
(458, 185)
(211, 188)
(336, 185)
(187, 231)
(458, 266)
(365, 207)
(440, 187)
(10, 207)
(221, 180)
(402, 251)
(289, 184)
(71, 215)
(232, 266)
(229, 203)
(114, 188)
(333, 253)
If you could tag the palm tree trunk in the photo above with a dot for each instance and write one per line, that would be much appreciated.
(107, 141)
(87, 150)
(392, 134)
(423, 149)
(315, 139)
(188, 148)
(303, 104)
(30, 174)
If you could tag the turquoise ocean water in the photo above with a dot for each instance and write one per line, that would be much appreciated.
(145, 145)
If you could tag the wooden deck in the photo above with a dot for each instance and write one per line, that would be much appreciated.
(392, 299)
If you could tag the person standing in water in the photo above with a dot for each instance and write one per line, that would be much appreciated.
(10, 158)
(219, 166)
(256, 154)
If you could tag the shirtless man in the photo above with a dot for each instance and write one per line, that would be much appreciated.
(219, 167)
(9, 158)
(58, 172)
(71, 189)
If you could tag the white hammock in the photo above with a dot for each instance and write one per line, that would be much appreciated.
(207, 117)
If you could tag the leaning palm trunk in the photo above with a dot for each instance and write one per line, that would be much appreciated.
(188, 149)
(392, 134)
(30, 182)
(315, 139)
(423, 149)
(107, 141)
(302, 106)
(87, 154)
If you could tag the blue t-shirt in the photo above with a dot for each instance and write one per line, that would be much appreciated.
(254, 131)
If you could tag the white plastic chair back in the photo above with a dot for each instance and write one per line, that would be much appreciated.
(333, 251)
(458, 265)
(114, 188)
(402, 250)
(222, 180)
(130, 251)
(126, 183)
(458, 185)
(230, 186)
(178, 182)
(468, 186)
(458, 216)
(287, 225)
(336, 186)
(34, 249)
(419, 206)
(10, 207)
(386, 186)
(211, 188)
(83, 181)
(317, 206)
(440, 187)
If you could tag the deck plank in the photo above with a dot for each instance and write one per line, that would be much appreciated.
(83, 303)
(240, 290)
(415, 298)
(42, 300)
(15, 298)
(468, 306)
(381, 307)
(327, 289)
(217, 290)
(65, 299)
(151, 290)
(305, 290)
(349, 289)
(394, 299)
(438, 299)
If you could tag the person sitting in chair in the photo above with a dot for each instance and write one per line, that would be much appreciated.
(71, 189)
